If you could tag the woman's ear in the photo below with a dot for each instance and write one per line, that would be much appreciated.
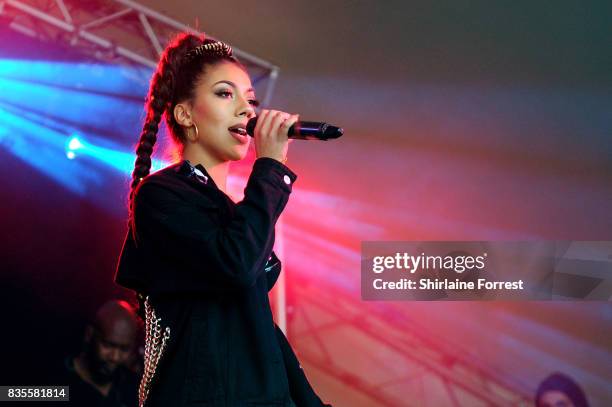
(182, 115)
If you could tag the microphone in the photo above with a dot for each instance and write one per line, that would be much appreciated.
(305, 130)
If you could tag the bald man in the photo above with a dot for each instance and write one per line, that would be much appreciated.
(98, 375)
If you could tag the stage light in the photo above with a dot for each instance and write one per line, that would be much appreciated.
(44, 104)
(44, 148)
(74, 143)
(107, 153)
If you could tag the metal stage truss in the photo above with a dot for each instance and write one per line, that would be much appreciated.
(461, 381)
(116, 31)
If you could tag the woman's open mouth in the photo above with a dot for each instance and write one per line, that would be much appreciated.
(239, 133)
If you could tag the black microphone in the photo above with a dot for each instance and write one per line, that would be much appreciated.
(305, 130)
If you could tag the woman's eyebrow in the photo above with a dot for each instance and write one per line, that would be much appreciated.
(233, 85)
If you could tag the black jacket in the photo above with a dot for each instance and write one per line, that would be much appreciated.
(207, 265)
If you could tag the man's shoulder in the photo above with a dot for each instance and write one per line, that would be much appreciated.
(64, 374)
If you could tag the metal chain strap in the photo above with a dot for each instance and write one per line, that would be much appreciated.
(155, 343)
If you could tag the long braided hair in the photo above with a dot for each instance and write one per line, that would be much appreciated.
(173, 82)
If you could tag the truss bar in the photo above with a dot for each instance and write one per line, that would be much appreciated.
(118, 49)
(350, 380)
(43, 16)
(320, 328)
(270, 88)
(183, 27)
(103, 20)
(433, 366)
(155, 26)
(152, 22)
(280, 311)
(451, 392)
(149, 30)
(417, 375)
(64, 10)
(156, 15)
(22, 29)
(84, 34)
(317, 337)
(476, 366)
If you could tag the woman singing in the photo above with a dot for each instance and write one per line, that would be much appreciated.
(201, 264)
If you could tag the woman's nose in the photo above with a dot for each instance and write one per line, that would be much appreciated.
(248, 112)
(246, 109)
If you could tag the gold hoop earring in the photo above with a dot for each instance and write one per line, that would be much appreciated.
(197, 132)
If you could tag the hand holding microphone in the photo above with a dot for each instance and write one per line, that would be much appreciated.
(272, 129)
(270, 133)
(303, 130)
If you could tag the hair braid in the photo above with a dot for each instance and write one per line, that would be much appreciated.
(158, 99)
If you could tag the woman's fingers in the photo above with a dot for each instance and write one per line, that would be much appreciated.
(289, 121)
(267, 125)
(271, 133)
(279, 120)
(261, 118)
(269, 122)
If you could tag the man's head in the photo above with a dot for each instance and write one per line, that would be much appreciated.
(109, 340)
(559, 390)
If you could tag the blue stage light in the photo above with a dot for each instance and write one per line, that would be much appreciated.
(42, 104)
(74, 143)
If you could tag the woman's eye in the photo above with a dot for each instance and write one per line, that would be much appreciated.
(224, 93)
